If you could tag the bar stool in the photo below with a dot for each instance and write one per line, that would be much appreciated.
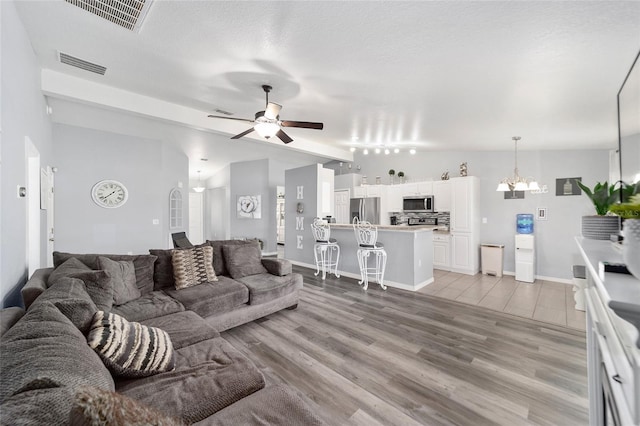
(367, 236)
(324, 248)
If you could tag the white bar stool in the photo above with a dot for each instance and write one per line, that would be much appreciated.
(367, 236)
(324, 248)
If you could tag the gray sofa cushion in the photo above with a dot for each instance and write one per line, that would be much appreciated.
(277, 266)
(44, 350)
(97, 407)
(71, 298)
(35, 286)
(243, 260)
(97, 283)
(152, 305)
(8, 318)
(266, 287)
(50, 406)
(219, 264)
(123, 279)
(209, 376)
(184, 328)
(214, 298)
(143, 264)
(275, 405)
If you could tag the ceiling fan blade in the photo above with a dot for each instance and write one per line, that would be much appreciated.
(303, 124)
(230, 118)
(283, 136)
(246, 132)
(272, 111)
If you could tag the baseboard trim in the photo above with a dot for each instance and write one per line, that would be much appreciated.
(389, 283)
(544, 278)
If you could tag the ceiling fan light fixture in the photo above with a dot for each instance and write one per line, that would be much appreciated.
(267, 129)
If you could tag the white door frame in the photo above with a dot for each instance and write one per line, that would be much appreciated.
(32, 176)
(50, 204)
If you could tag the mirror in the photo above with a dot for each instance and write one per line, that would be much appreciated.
(629, 125)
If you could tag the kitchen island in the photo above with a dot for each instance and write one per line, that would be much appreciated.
(409, 254)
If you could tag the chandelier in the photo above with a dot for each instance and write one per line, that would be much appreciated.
(199, 188)
(517, 183)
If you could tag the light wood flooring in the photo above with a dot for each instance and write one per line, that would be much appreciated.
(410, 358)
(541, 300)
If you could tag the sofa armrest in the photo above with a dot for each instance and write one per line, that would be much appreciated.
(35, 286)
(8, 317)
(279, 267)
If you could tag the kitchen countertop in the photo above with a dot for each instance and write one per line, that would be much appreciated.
(620, 292)
(401, 228)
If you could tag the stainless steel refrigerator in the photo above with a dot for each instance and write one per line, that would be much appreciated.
(365, 209)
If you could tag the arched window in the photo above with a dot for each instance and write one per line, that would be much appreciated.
(175, 208)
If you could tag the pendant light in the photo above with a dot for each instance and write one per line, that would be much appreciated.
(199, 188)
(516, 182)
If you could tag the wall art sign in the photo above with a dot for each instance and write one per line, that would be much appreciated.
(513, 195)
(568, 186)
(249, 207)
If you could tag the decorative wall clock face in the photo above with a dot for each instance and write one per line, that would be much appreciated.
(109, 194)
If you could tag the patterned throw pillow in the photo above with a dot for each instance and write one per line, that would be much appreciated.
(97, 407)
(193, 266)
(130, 349)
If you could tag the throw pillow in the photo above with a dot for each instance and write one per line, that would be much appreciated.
(243, 260)
(97, 407)
(130, 349)
(97, 283)
(193, 266)
(123, 278)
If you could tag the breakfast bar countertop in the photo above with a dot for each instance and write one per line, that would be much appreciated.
(401, 228)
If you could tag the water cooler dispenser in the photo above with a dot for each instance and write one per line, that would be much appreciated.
(525, 249)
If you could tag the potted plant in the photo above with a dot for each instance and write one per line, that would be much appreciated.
(391, 174)
(629, 211)
(600, 226)
(401, 176)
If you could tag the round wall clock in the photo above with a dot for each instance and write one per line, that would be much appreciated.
(109, 194)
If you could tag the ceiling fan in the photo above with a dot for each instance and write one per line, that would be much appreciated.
(268, 123)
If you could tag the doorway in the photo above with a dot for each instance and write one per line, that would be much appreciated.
(32, 166)
(196, 218)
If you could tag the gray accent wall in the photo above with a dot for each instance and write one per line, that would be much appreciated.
(308, 178)
(22, 114)
(556, 249)
(149, 169)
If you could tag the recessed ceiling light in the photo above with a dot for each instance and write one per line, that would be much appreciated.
(396, 150)
(377, 150)
(412, 151)
(386, 151)
(366, 151)
(352, 149)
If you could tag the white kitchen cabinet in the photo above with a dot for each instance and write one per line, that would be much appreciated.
(366, 191)
(394, 197)
(442, 195)
(465, 225)
(441, 251)
(425, 188)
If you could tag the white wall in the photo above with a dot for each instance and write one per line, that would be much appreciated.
(148, 168)
(556, 249)
(22, 115)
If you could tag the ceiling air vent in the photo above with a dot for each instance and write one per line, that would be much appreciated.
(82, 64)
(126, 13)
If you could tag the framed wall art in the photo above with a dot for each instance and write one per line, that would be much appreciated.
(249, 207)
(513, 195)
(568, 186)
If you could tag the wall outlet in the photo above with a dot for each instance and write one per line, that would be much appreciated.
(130, 253)
(156, 221)
(484, 220)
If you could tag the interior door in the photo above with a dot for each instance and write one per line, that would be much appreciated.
(341, 203)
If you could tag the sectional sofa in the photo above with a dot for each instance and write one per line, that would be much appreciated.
(135, 339)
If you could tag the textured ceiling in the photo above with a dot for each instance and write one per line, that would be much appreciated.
(431, 75)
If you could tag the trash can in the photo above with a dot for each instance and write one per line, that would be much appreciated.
(491, 256)
(579, 285)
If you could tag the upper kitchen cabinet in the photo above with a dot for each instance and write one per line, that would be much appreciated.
(367, 191)
(442, 195)
(416, 188)
(464, 204)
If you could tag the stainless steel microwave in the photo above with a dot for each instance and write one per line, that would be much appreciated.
(417, 204)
